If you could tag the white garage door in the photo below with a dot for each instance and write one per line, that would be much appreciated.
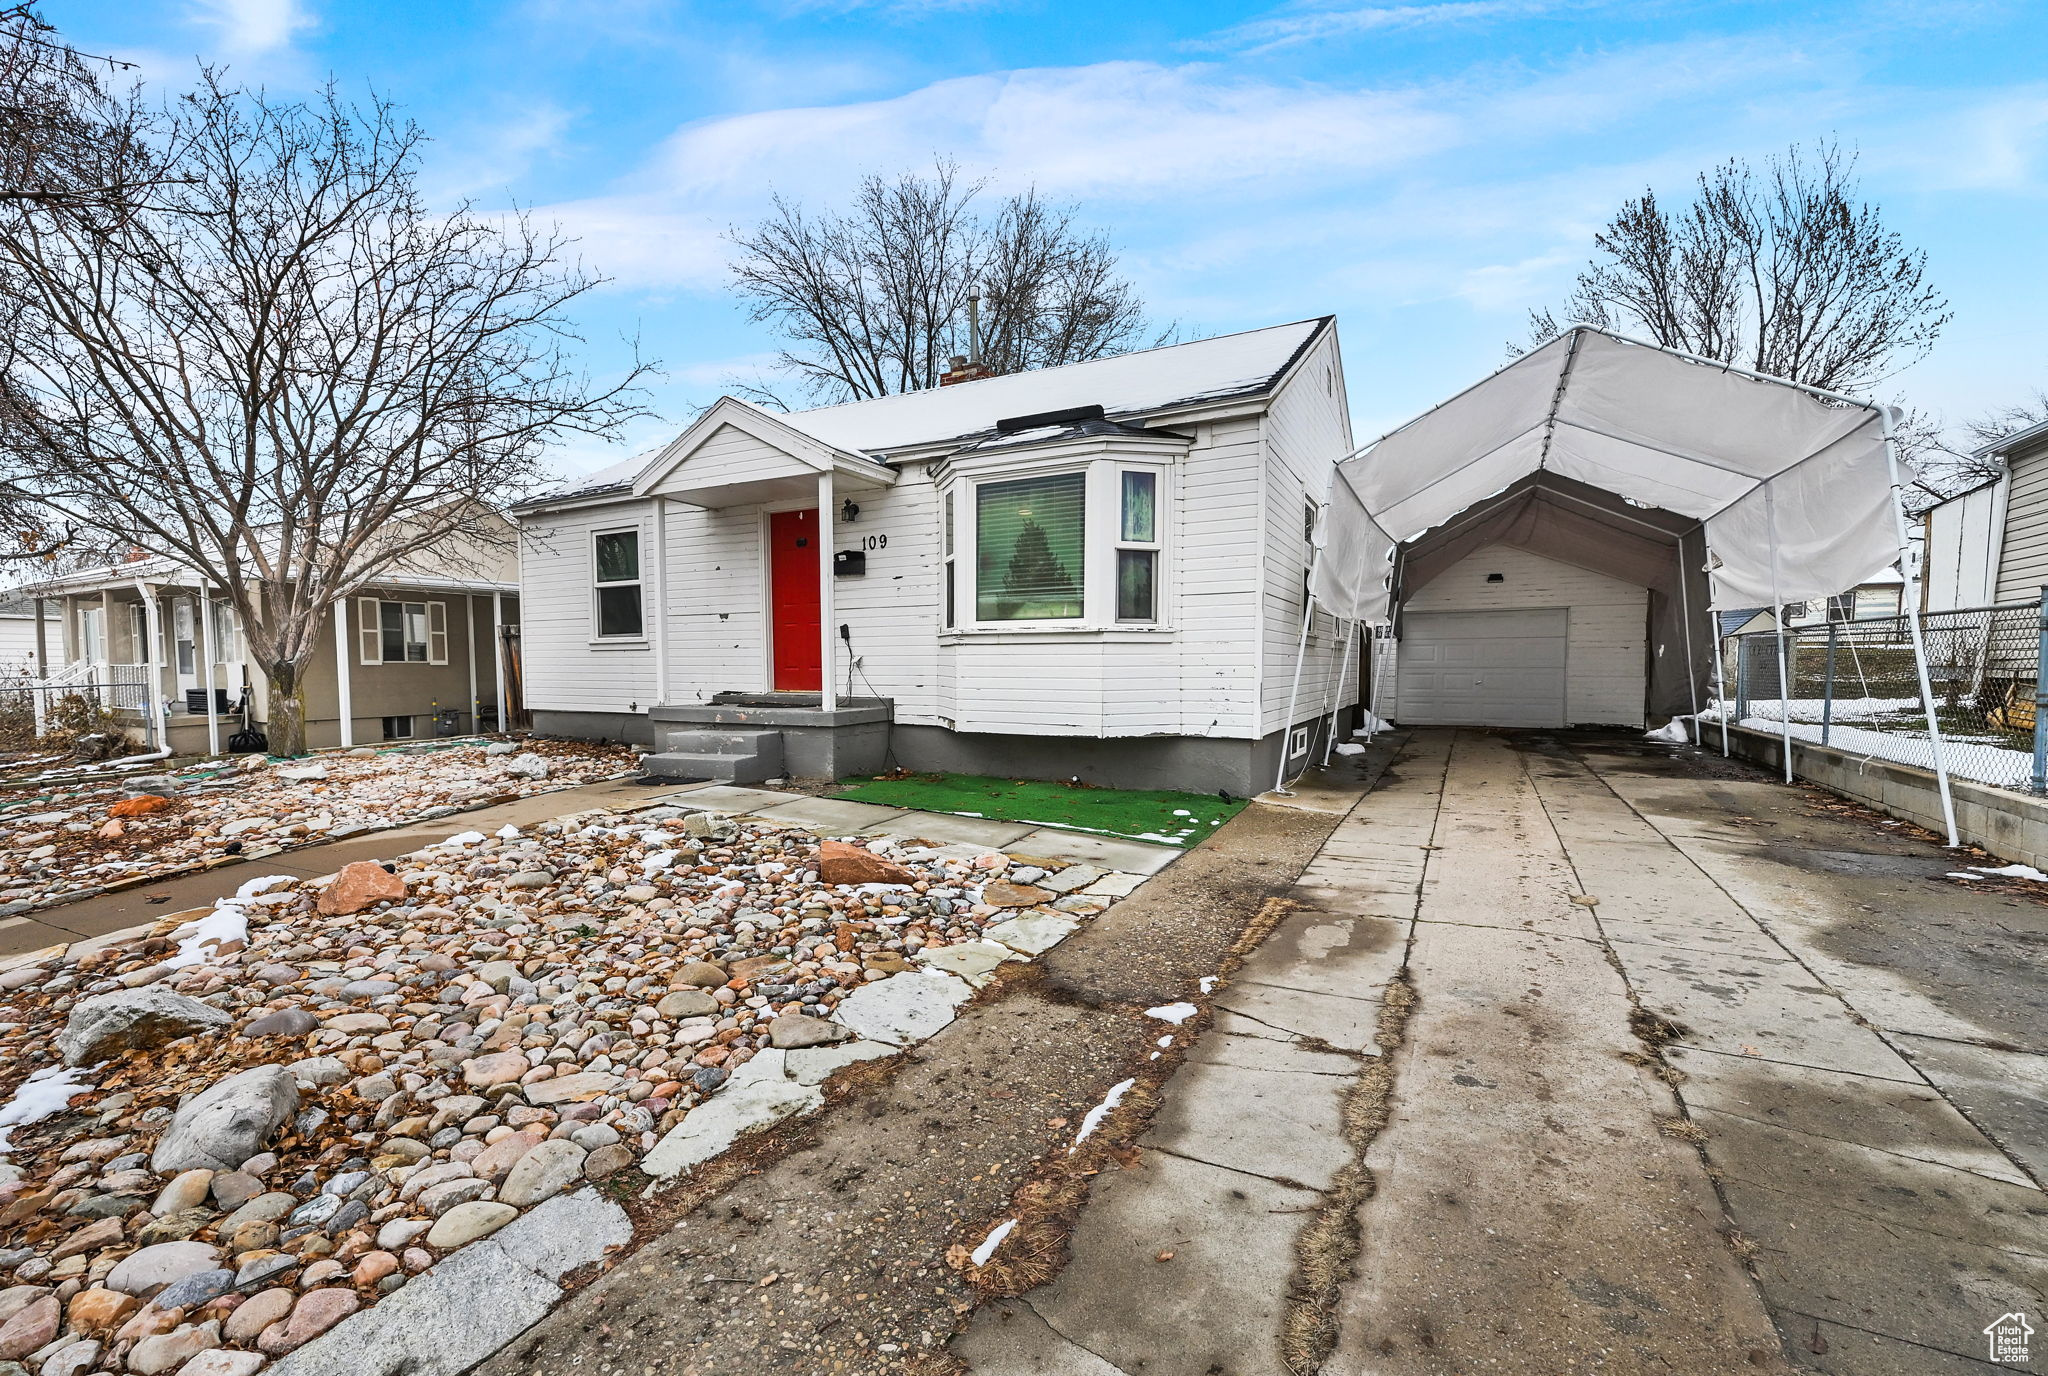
(1483, 668)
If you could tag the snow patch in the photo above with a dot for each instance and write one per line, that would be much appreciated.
(1672, 731)
(226, 923)
(1175, 1013)
(1095, 1115)
(464, 838)
(2013, 872)
(980, 1255)
(1208, 983)
(42, 1094)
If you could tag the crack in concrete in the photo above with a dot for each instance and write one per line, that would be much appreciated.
(1285, 1182)
(1818, 1319)
(1067, 1338)
(1881, 1033)
(1290, 1033)
(1297, 989)
(1326, 1250)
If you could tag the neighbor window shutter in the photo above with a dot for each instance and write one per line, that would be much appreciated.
(370, 629)
(437, 632)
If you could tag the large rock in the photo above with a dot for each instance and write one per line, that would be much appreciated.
(224, 1125)
(134, 1020)
(152, 1268)
(32, 1328)
(543, 1173)
(359, 884)
(794, 1030)
(468, 1222)
(688, 1003)
(842, 862)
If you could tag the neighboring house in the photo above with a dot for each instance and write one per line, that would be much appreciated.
(1962, 537)
(413, 656)
(22, 649)
(1095, 570)
(1990, 544)
(1879, 597)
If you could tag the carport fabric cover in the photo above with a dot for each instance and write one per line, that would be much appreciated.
(1778, 474)
(1584, 526)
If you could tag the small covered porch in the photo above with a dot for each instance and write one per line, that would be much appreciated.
(776, 498)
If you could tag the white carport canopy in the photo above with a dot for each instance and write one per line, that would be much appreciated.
(1797, 488)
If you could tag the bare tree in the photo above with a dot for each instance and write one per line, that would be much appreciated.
(874, 300)
(1786, 271)
(68, 132)
(285, 373)
(1952, 462)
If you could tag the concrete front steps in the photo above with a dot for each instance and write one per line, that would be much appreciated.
(721, 753)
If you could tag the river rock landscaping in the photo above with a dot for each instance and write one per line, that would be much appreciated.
(66, 840)
(232, 1132)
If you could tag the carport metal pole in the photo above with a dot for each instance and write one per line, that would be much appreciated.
(1343, 672)
(1685, 617)
(1308, 614)
(1911, 603)
(1778, 617)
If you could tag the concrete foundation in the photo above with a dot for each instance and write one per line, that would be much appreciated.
(2012, 826)
(858, 738)
(1194, 764)
(852, 738)
(631, 727)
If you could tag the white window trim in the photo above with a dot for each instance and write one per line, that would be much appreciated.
(1156, 545)
(638, 531)
(370, 630)
(1102, 532)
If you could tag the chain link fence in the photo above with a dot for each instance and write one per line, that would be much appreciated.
(1854, 685)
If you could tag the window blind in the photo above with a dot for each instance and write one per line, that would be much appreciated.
(1029, 541)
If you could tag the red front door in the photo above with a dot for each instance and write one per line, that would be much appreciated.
(793, 600)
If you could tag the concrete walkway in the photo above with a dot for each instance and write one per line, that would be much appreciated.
(1844, 1176)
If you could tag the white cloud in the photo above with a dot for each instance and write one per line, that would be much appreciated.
(250, 28)
(1315, 21)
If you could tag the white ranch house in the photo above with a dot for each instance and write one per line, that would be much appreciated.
(1096, 570)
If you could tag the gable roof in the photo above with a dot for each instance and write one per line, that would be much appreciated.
(1202, 370)
(1226, 367)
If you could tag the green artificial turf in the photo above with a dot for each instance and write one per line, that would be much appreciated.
(1155, 815)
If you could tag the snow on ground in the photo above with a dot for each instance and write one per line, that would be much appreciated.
(62, 839)
(980, 1255)
(1094, 1117)
(1966, 759)
(1175, 1013)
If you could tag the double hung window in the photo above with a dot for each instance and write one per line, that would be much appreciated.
(616, 566)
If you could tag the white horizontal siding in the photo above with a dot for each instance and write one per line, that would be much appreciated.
(1606, 653)
(730, 455)
(1197, 675)
(2023, 563)
(1307, 432)
(565, 671)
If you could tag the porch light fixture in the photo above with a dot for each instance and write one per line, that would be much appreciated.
(849, 511)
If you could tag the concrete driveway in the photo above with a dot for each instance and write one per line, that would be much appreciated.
(1584, 1053)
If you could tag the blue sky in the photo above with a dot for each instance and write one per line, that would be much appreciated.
(1428, 170)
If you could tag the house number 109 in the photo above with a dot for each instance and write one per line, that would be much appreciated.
(874, 542)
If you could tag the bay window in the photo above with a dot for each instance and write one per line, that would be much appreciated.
(1076, 546)
(1030, 549)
